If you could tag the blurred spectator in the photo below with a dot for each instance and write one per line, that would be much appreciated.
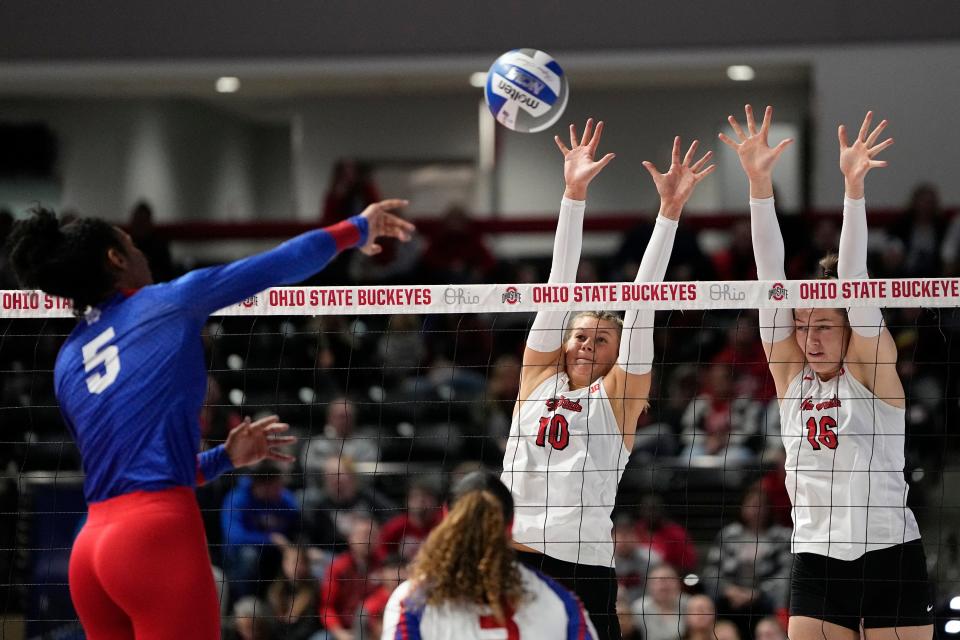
(630, 628)
(921, 228)
(258, 507)
(396, 264)
(493, 414)
(387, 578)
(293, 594)
(746, 359)
(748, 568)
(326, 507)
(659, 611)
(669, 539)
(7, 281)
(736, 262)
(349, 580)
(341, 437)
(769, 629)
(717, 423)
(660, 437)
(351, 190)
(633, 561)
(345, 350)
(403, 534)
(687, 261)
(402, 349)
(774, 485)
(216, 419)
(699, 618)
(726, 630)
(456, 252)
(811, 247)
(154, 247)
(251, 620)
(950, 249)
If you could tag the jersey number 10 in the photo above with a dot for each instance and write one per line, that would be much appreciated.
(555, 430)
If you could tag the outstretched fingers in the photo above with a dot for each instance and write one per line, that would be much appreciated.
(702, 161)
(587, 132)
(563, 148)
(865, 127)
(842, 136)
(703, 174)
(651, 169)
(573, 135)
(765, 125)
(595, 140)
(880, 147)
(736, 128)
(783, 145)
(751, 123)
(872, 138)
(691, 153)
(725, 139)
(675, 154)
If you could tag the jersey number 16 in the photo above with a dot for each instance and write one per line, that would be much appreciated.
(827, 436)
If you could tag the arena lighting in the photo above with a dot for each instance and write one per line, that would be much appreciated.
(228, 84)
(741, 72)
(952, 627)
(955, 603)
(478, 79)
(691, 580)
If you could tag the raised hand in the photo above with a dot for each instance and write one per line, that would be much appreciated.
(385, 224)
(677, 184)
(579, 167)
(857, 159)
(250, 442)
(752, 147)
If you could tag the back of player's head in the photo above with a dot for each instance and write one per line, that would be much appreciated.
(68, 261)
(488, 482)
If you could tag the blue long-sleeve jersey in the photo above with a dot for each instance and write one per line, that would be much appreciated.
(248, 520)
(131, 378)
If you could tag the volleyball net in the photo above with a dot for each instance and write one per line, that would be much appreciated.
(394, 392)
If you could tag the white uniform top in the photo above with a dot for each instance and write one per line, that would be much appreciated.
(548, 611)
(563, 462)
(844, 467)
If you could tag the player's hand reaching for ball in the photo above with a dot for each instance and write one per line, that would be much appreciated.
(857, 159)
(677, 184)
(253, 441)
(385, 224)
(579, 167)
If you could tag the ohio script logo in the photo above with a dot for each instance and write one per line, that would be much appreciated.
(778, 292)
(726, 292)
(458, 295)
(510, 296)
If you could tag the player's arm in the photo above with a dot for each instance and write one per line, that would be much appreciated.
(247, 444)
(394, 612)
(204, 291)
(628, 383)
(544, 347)
(871, 354)
(758, 160)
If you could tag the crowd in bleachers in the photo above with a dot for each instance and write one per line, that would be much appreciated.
(389, 410)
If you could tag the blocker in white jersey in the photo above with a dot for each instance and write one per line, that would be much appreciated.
(844, 467)
(548, 611)
(563, 462)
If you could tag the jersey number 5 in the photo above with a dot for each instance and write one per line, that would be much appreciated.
(827, 436)
(554, 429)
(99, 352)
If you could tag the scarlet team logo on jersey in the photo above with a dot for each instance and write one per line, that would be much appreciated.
(833, 403)
(564, 403)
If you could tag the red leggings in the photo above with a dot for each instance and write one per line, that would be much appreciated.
(140, 569)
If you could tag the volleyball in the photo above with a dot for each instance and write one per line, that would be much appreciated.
(526, 90)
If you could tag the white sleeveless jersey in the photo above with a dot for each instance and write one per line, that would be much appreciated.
(548, 611)
(844, 467)
(563, 462)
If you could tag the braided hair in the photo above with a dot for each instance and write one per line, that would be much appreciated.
(68, 261)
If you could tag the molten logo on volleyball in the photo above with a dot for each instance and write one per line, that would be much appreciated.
(526, 90)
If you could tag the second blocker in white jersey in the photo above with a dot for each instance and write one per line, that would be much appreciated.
(844, 467)
(563, 462)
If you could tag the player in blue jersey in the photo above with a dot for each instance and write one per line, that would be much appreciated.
(466, 582)
(130, 380)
